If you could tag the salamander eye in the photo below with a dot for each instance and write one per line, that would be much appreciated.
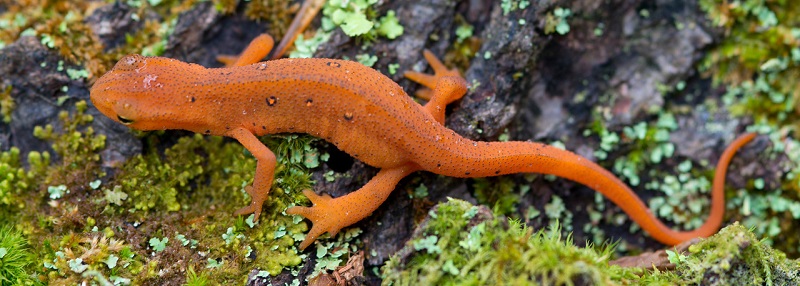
(129, 62)
(124, 120)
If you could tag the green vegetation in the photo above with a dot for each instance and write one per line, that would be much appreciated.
(77, 147)
(357, 18)
(6, 104)
(77, 237)
(759, 62)
(464, 244)
(760, 56)
(557, 21)
(77, 256)
(735, 256)
(16, 258)
(71, 223)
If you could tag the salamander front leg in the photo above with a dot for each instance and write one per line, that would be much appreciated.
(265, 170)
(444, 86)
(331, 215)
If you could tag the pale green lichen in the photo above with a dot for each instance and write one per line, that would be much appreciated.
(358, 19)
(76, 254)
(556, 21)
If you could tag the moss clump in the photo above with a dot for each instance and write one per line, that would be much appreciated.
(92, 255)
(759, 57)
(151, 182)
(498, 192)
(15, 258)
(204, 176)
(462, 244)
(735, 256)
(78, 149)
(276, 12)
(7, 104)
(15, 179)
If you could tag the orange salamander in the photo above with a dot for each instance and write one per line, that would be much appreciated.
(363, 113)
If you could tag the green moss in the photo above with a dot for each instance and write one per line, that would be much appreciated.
(7, 104)
(466, 46)
(497, 192)
(194, 279)
(276, 12)
(77, 255)
(77, 147)
(759, 61)
(759, 57)
(62, 26)
(735, 256)
(16, 259)
(151, 182)
(462, 244)
(225, 6)
(199, 176)
(200, 173)
(15, 179)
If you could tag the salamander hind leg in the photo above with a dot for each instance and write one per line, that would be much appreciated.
(332, 214)
(443, 86)
(257, 50)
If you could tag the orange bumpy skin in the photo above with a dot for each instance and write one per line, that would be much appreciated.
(363, 113)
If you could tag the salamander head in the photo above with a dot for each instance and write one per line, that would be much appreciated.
(143, 93)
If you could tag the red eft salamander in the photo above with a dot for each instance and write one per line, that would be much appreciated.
(363, 113)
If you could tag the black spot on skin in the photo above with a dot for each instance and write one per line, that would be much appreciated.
(309, 102)
(227, 128)
(466, 173)
(263, 127)
(333, 64)
(254, 124)
(193, 99)
(291, 128)
(348, 116)
(438, 165)
(271, 101)
(497, 172)
(208, 131)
